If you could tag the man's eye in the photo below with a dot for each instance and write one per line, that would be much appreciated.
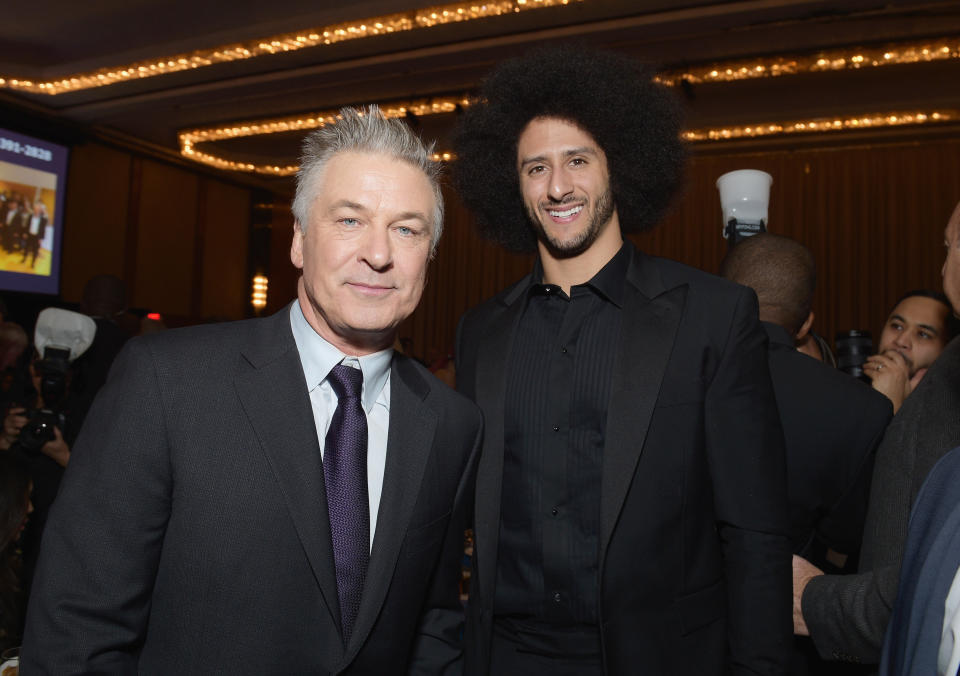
(578, 161)
(349, 221)
(537, 169)
(924, 334)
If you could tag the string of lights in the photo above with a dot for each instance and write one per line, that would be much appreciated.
(189, 139)
(822, 125)
(941, 49)
(280, 44)
(420, 108)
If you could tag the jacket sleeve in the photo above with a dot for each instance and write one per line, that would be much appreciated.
(748, 469)
(91, 595)
(437, 648)
(848, 614)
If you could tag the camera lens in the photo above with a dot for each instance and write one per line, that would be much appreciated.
(853, 348)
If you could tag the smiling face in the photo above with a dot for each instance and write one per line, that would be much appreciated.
(364, 252)
(565, 186)
(916, 329)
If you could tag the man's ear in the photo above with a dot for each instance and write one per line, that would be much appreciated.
(805, 329)
(296, 246)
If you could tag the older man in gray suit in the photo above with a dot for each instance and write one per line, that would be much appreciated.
(847, 615)
(282, 495)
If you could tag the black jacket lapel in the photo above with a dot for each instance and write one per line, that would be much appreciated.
(651, 315)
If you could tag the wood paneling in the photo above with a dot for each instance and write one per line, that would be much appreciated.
(95, 216)
(223, 274)
(283, 276)
(165, 247)
(179, 239)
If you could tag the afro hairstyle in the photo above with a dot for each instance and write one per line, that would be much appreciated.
(613, 98)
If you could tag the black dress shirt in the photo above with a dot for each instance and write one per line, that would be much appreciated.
(560, 370)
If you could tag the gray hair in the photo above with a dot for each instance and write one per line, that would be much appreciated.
(368, 131)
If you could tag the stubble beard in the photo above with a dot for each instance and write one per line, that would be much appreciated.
(583, 240)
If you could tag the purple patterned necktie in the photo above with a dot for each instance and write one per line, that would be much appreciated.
(345, 473)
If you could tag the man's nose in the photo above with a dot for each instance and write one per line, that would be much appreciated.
(561, 184)
(376, 249)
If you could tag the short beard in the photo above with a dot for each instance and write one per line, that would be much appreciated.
(602, 213)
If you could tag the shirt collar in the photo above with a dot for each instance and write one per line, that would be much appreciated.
(317, 357)
(608, 281)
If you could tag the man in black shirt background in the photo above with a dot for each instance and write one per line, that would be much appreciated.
(832, 423)
(631, 499)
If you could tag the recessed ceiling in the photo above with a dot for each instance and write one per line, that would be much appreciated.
(449, 59)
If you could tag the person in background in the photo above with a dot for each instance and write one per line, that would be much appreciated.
(814, 345)
(832, 424)
(36, 230)
(847, 615)
(14, 357)
(15, 508)
(919, 326)
(104, 300)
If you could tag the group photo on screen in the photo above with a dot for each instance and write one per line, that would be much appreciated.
(33, 174)
(27, 209)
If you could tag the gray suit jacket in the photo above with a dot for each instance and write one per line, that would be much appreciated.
(847, 614)
(191, 532)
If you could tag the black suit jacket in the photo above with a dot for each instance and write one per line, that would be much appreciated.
(694, 558)
(832, 425)
(191, 534)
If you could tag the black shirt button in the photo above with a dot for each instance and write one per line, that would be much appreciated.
(563, 350)
(556, 428)
(554, 511)
(556, 597)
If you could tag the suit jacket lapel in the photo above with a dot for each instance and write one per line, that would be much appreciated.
(409, 445)
(651, 314)
(274, 396)
(491, 385)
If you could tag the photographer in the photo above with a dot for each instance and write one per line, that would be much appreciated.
(57, 449)
(39, 429)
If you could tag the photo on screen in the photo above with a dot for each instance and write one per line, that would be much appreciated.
(32, 176)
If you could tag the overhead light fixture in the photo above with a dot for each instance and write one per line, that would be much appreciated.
(281, 44)
(258, 297)
(191, 138)
(821, 125)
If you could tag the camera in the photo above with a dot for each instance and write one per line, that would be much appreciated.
(52, 370)
(853, 348)
(60, 337)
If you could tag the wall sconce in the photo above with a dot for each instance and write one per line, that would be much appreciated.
(258, 299)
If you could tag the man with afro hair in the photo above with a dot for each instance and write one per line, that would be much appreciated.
(630, 511)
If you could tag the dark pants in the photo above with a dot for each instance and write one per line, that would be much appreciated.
(32, 249)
